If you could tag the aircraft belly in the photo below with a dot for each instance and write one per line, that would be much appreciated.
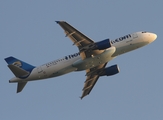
(63, 71)
(94, 60)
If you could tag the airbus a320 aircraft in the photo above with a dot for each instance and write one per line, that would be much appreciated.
(92, 57)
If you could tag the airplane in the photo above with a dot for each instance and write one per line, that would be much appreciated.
(92, 57)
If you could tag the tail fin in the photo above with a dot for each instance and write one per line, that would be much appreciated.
(19, 63)
(20, 69)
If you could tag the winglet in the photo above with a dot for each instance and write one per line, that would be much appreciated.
(81, 97)
(57, 22)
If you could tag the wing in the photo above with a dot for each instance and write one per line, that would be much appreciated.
(79, 39)
(92, 77)
(83, 43)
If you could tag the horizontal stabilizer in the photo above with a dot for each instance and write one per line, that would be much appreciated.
(21, 86)
(18, 72)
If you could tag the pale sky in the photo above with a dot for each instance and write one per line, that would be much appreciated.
(28, 31)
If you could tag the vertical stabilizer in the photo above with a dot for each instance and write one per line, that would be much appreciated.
(19, 68)
(19, 63)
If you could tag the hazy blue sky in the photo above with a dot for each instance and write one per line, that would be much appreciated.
(28, 32)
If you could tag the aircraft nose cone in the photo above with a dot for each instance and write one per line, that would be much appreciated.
(152, 36)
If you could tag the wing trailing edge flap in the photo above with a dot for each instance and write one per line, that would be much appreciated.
(89, 84)
(93, 75)
(78, 38)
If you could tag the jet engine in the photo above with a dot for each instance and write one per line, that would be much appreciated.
(104, 44)
(101, 45)
(112, 70)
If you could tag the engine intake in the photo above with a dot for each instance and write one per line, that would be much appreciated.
(104, 44)
(112, 70)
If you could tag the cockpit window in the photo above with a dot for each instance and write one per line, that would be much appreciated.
(144, 32)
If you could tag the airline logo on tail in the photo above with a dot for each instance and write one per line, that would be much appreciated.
(18, 64)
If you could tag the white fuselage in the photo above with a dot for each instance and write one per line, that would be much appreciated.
(75, 63)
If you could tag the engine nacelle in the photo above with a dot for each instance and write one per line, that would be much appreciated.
(104, 44)
(112, 70)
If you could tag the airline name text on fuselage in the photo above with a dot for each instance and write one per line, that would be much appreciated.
(121, 39)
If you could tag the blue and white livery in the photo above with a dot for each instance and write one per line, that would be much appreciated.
(92, 57)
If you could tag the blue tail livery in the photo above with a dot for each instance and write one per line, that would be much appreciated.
(18, 67)
(16, 62)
